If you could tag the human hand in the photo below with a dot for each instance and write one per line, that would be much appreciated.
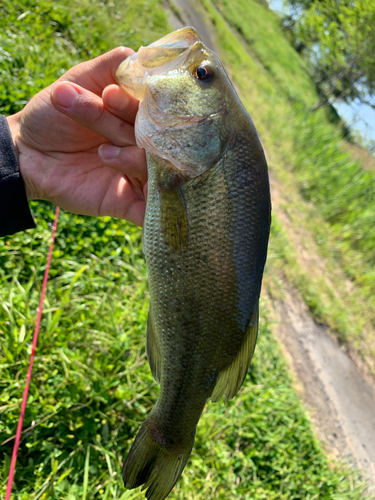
(58, 135)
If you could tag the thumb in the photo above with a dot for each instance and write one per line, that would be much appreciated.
(87, 109)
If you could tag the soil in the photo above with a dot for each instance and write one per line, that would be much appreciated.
(337, 394)
(339, 399)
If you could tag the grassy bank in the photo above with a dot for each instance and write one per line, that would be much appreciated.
(325, 209)
(92, 386)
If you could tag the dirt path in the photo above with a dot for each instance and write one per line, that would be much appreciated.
(190, 17)
(339, 399)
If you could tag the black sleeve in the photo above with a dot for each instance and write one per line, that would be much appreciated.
(15, 213)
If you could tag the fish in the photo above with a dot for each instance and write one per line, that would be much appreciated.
(205, 239)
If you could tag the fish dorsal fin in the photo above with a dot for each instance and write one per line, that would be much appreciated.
(231, 378)
(153, 349)
(174, 221)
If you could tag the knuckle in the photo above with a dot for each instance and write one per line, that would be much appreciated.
(100, 115)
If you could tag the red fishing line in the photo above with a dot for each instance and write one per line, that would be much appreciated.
(33, 349)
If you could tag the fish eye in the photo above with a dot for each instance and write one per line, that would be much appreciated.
(204, 72)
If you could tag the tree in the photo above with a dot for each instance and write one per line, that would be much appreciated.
(338, 39)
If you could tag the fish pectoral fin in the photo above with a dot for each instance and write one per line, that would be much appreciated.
(174, 221)
(231, 378)
(153, 349)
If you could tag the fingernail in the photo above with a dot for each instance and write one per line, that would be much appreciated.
(65, 95)
(109, 152)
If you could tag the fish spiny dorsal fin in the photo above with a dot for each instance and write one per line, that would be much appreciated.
(230, 380)
(152, 349)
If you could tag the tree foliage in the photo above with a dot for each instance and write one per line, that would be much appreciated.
(338, 39)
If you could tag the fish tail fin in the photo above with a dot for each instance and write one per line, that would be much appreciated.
(153, 462)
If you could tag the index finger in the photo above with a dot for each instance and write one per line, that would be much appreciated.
(87, 109)
(98, 73)
(120, 103)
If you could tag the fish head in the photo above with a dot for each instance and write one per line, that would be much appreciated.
(187, 101)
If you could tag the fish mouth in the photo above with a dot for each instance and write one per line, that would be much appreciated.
(166, 54)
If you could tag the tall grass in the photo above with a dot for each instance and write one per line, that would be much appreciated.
(305, 152)
(339, 187)
(92, 389)
(41, 39)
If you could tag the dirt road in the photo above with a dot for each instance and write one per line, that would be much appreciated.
(341, 402)
(339, 399)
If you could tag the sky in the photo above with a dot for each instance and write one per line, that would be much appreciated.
(358, 116)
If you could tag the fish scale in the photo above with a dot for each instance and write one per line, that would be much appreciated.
(205, 242)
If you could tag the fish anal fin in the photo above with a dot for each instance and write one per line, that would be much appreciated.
(231, 378)
(153, 349)
(173, 214)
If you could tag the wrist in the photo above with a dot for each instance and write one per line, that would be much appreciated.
(15, 213)
(24, 156)
(14, 126)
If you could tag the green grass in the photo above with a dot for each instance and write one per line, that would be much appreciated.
(259, 28)
(92, 387)
(41, 39)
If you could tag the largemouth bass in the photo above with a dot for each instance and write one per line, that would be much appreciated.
(205, 241)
